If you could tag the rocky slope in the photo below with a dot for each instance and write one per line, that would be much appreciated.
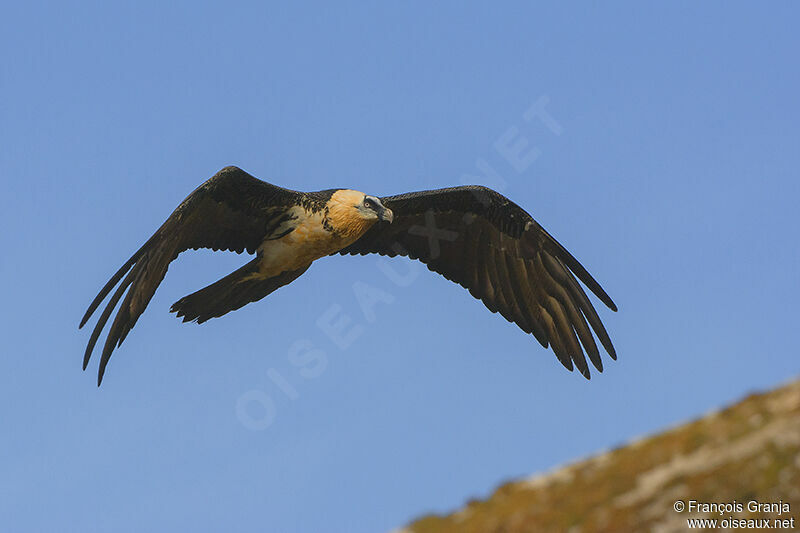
(747, 452)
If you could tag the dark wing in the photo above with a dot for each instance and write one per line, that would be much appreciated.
(481, 240)
(231, 211)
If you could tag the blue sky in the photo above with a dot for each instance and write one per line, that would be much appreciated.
(669, 168)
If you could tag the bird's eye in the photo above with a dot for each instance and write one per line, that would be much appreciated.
(369, 203)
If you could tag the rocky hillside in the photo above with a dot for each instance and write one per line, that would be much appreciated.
(747, 452)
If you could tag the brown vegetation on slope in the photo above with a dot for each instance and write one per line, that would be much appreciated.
(749, 451)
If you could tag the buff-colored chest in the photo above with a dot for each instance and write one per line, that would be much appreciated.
(312, 237)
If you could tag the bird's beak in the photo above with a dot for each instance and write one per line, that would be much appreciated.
(386, 215)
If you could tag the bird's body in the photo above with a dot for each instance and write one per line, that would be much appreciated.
(311, 233)
(471, 235)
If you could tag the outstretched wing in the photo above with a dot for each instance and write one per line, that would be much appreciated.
(483, 241)
(231, 211)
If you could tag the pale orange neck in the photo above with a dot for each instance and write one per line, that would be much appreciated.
(344, 215)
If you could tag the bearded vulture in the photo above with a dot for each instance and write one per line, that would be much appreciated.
(471, 235)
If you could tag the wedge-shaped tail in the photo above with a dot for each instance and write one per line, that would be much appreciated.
(235, 290)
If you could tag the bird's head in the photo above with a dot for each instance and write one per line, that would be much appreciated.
(352, 212)
(371, 207)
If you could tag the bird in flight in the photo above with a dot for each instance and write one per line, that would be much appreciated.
(471, 235)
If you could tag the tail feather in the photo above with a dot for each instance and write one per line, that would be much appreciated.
(235, 290)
